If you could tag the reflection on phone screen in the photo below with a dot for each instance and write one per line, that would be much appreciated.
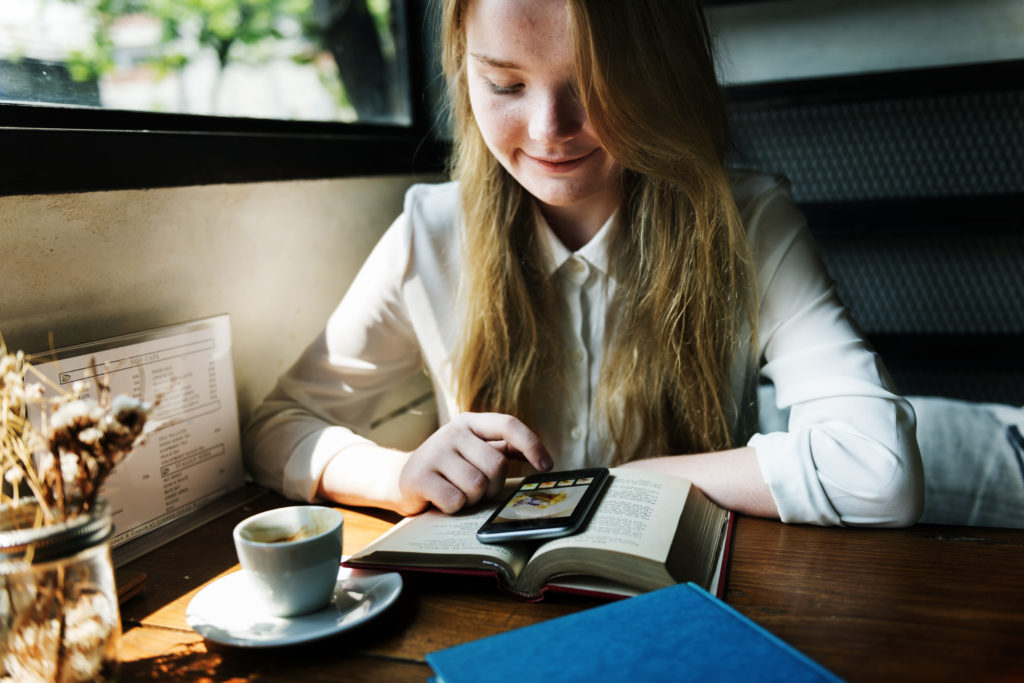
(545, 500)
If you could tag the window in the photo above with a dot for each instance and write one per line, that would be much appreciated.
(323, 60)
(102, 94)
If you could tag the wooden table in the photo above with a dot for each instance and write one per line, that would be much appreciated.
(926, 603)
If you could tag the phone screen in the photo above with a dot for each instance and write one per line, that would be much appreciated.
(546, 506)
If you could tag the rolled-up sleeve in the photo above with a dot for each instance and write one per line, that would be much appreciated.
(849, 455)
(330, 395)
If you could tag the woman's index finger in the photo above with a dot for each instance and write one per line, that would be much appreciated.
(518, 438)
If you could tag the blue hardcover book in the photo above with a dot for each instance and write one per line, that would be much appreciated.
(673, 634)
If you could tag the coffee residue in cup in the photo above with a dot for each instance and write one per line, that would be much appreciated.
(280, 534)
(298, 535)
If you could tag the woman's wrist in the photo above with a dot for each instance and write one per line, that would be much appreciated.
(366, 475)
(731, 478)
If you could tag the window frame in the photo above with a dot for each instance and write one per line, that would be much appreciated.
(60, 148)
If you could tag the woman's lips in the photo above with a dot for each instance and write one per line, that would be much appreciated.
(560, 165)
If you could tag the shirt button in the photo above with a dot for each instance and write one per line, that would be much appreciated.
(579, 355)
(577, 265)
(576, 432)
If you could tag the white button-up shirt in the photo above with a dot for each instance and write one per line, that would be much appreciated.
(849, 455)
(582, 279)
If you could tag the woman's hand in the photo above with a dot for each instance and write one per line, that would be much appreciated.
(465, 461)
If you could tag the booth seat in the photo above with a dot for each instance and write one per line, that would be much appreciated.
(913, 185)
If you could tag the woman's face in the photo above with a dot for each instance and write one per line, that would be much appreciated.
(522, 88)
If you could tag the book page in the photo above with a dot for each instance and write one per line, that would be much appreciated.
(447, 536)
(638, 515)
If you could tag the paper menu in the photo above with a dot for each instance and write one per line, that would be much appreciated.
(192, 454)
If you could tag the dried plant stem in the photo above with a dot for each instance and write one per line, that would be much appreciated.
(59, 664)
(29, 368)
(10, 600)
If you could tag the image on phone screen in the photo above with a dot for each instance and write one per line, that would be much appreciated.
(533, 502)
(546, 506)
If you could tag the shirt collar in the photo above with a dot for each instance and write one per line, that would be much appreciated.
(556, 254)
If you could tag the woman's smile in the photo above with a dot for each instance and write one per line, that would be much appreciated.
(560, 164)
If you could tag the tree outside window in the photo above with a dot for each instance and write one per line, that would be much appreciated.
(332, 60)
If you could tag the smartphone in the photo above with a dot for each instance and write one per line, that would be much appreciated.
(546, 506)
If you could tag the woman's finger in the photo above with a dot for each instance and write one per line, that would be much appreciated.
(486, 460)
(518, 437)
(467, 459)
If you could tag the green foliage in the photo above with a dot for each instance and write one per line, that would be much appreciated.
(234, 31)
(218, 25)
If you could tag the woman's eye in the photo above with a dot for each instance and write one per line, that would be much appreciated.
(504, 89)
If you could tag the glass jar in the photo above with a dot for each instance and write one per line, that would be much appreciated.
(59, 618)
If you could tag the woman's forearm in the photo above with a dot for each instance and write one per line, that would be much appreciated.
(463, 462)
(365, 475)
(730, 478)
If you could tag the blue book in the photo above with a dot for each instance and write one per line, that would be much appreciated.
(673, 634)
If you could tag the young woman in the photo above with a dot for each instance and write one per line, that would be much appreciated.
(594, 288)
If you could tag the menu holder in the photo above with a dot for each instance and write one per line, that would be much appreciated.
(188, 469)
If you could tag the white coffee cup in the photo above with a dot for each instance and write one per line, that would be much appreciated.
(291, 556)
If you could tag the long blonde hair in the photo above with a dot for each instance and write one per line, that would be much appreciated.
(680, 256)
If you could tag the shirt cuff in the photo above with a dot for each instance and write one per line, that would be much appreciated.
(793, 481)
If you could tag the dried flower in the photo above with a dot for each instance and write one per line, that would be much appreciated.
(13, 476)
(64, 462)
(57, 624)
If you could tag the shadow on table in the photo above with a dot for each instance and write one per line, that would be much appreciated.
(338, 657)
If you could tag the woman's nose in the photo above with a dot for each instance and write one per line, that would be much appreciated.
(556, 116)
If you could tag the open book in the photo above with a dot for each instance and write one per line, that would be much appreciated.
(649, 531)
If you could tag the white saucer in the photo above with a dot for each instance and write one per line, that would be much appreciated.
(225, 613)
